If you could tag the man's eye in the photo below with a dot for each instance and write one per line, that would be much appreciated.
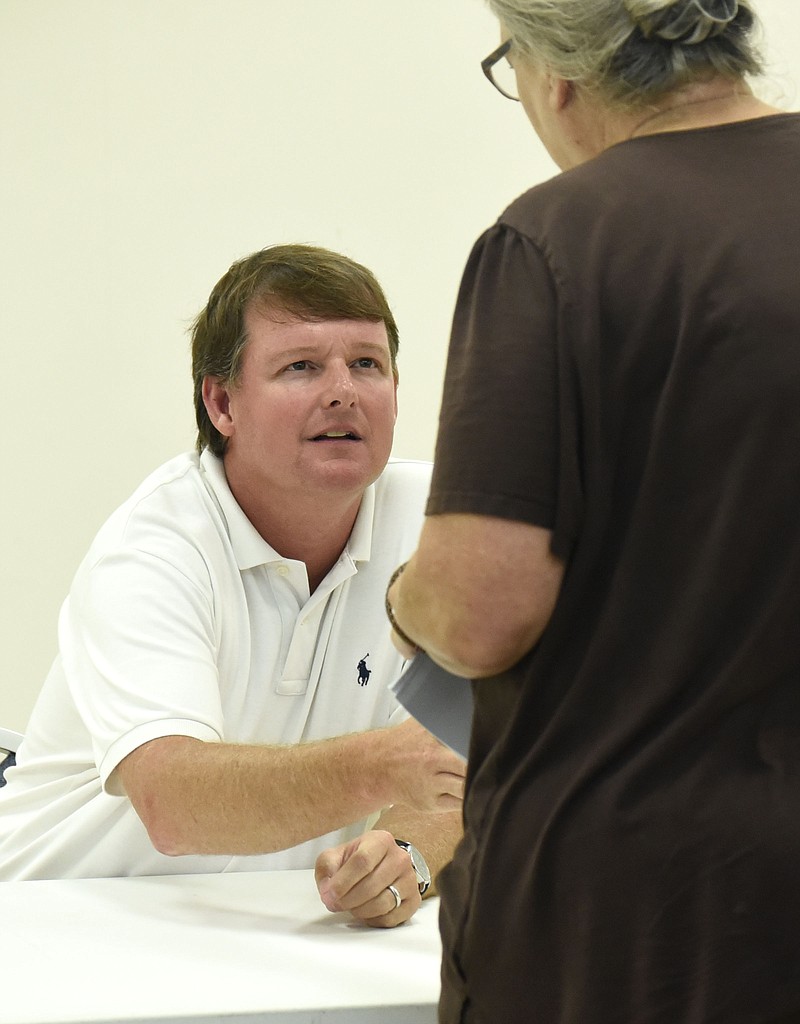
(366, 363)
(300, 364)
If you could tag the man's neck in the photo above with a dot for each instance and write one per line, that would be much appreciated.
(312, 528)
(317, 539)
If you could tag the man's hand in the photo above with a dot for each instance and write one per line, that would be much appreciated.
(356, 876)
(428, 776)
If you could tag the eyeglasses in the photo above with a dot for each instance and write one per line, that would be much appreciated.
(500, 72)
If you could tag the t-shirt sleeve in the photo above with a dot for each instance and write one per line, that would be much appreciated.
(496, 451)
(137, 641)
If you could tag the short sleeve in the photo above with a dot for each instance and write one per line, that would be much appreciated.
(496, 451)
(137, 641)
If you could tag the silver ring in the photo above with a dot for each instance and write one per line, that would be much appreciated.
(398, 899)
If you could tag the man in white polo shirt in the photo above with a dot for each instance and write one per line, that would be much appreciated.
(220, 697)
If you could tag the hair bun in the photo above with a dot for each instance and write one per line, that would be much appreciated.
(682, 21)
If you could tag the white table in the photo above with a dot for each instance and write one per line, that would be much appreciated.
(237, 948)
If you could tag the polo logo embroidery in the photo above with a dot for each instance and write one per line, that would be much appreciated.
(363, 672)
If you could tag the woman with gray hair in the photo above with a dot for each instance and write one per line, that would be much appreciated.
(612, 548)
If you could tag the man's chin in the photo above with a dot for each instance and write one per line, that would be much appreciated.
(345, 472)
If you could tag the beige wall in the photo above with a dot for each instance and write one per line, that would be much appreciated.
(149, 143)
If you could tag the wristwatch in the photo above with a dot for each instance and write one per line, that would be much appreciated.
(421, 869)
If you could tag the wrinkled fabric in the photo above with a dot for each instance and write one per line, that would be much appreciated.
(625, 372)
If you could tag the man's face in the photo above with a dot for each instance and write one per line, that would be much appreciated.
(314, 408)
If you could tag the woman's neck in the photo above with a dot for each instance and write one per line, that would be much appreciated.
(700, 105)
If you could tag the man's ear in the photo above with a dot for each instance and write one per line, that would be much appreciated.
(217, 402)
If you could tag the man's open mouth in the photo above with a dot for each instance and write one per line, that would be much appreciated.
(337, 435)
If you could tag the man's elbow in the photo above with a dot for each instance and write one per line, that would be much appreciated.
(170, 844)
(165, 829)
(480, 650)
(155, 778)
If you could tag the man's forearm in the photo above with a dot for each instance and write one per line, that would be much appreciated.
(218, 798)
(210, 798)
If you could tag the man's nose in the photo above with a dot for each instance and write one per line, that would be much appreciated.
(340, 389)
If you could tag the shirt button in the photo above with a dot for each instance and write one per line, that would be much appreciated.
(283, 570)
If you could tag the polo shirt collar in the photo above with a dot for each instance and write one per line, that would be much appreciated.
(249, 547)
(359, 546)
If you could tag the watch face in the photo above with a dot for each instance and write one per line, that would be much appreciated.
(421, 869)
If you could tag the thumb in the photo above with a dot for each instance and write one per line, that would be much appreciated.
(327, 864)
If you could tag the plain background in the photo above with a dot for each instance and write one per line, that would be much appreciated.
(146, 145)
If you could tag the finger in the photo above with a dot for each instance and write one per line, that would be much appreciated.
(326, 867)
(445, 803)
(453, 780)
(363, 873)
(394, 869)
(453, 763)
(449, 794)
(385, 912)
(328, 863)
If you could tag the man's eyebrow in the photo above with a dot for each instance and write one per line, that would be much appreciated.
(373, 346)
(291, 355)
(310, 351)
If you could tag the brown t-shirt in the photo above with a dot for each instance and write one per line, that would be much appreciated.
(625, 370)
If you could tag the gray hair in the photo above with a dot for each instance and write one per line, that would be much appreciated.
(634, 51)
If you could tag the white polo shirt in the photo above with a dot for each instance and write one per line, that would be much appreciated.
(182, 620)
